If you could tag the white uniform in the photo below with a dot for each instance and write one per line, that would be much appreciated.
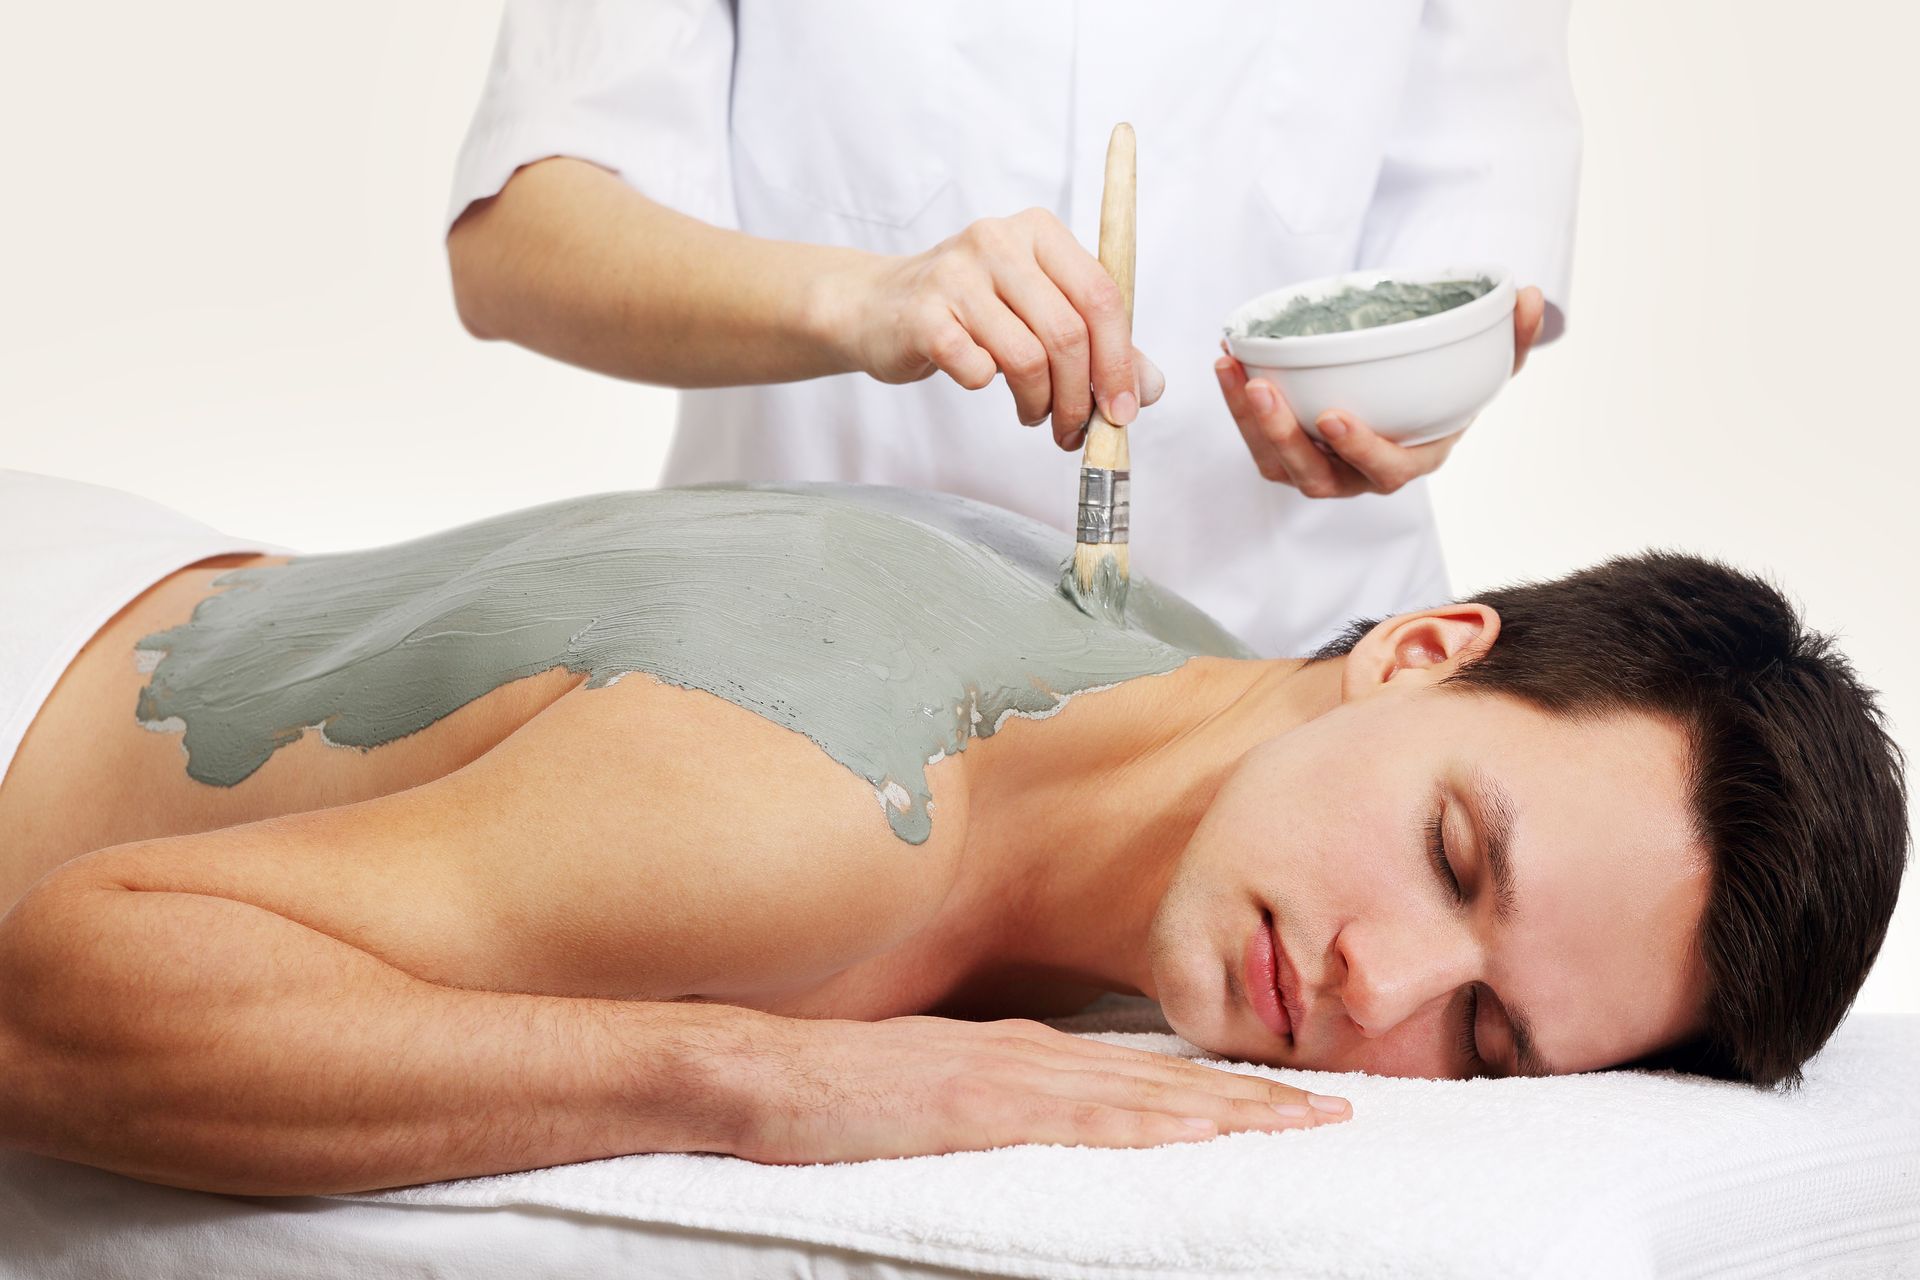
(1277, 142)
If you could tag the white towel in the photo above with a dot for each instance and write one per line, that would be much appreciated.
(1607, 1175)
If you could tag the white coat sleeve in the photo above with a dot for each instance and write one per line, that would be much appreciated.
(639, 87)
(1484, 161)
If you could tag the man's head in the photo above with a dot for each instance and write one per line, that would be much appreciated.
(1701, 816)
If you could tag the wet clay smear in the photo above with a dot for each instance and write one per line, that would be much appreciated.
(890, 626)
(1389, 302)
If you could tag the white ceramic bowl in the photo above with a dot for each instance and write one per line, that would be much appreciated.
(1414, 381)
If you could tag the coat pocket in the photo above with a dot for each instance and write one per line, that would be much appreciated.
(844, 116)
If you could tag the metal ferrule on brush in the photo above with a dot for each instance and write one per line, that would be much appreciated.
(1104, 504)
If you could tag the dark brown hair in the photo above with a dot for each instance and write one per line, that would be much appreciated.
(1798, 789)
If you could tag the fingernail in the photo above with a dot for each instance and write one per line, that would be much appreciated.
(1196, 1122)
(1261, 396)
(1332, 1106)
(1291, 1110)
(1077, 439)
(1333, 427)
(1123, 409)
(1222, 367)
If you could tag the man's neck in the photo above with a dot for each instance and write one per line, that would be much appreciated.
(1076, 822)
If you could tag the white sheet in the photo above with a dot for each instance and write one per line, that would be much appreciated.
(1609, 1175)
(71, 556)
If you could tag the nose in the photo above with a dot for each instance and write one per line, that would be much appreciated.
(1387, 974)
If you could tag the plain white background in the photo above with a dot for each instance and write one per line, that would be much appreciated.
(221, 284)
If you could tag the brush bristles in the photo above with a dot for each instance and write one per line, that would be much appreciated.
(1088, 555)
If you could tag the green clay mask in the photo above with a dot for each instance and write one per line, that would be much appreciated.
(1388, 302)
(890, 626)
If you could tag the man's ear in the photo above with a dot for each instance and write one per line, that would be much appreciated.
(1418, 648)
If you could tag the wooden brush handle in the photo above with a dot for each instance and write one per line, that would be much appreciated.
(1116, 214)
(1106, 443)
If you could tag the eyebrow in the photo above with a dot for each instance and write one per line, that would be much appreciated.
(1492, 812)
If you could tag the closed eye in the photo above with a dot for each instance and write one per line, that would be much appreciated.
(1466, 1042)
(1437, 853)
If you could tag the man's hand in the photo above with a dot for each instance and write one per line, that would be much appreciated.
(1356, 459)
(1017, 296)
(842, 1090)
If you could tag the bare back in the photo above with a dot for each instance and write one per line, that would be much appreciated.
(88, 775)
(577, 770)
(418, 850)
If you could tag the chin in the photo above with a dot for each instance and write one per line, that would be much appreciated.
(1190, 984)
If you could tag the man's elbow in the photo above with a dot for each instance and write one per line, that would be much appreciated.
(42, 1036)
(14, 1129)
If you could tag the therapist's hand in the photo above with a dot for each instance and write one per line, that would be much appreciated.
(1356, 459)
(1017, 296)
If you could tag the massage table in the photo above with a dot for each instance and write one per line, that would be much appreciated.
(1618, 1174)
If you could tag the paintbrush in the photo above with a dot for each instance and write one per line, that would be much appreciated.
(1097, 578)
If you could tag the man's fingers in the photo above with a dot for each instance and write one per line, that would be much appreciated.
(1233, 386)
(1199, 1093)
(1296, 1111)
(1066, 1123)
(1098, 302)
(1016, 352)
(1075, 1120)
(1064, 1051)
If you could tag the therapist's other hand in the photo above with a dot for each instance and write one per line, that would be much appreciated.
(1356, 459)
(1017, 296)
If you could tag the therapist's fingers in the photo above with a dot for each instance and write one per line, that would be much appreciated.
(1152, 383)
(953, 351)
(1529, 317)
(1311, 471)
(1098, 304)
(1063, 337)
(1386, 467)
(1015, 350)
(1147, 374)
(1233, 386)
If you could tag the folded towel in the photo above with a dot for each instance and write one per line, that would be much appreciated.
(1613, 1174)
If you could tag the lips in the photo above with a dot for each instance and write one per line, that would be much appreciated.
(1286, 983)
(1260, 967)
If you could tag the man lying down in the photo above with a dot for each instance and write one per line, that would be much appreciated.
(668, 812)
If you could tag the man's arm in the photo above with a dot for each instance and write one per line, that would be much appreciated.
(417, 987)
(475, 975)
(212, 1044)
